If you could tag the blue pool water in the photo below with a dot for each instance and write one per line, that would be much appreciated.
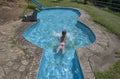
(45, 34)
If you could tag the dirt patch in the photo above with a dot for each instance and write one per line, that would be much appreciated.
(9, 3)
(10, 10)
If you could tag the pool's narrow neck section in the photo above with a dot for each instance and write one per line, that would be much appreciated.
(59, 66)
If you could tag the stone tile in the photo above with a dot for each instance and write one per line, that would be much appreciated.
(89, 76)
(1, 73)
(22, 68)
(10, 63)
(24, 62)
(15, 66)
(14, 75)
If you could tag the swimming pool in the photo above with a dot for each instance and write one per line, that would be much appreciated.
(45, 34)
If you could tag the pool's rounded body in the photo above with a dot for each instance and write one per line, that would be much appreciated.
(52, 21)
(46, 34)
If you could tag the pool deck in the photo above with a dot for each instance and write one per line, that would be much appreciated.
(19, 59)
(99, 56)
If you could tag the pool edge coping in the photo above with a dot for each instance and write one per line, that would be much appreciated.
(84, 62)
(89, 74)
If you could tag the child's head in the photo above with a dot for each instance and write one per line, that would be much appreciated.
(63, 35)
(64, 32)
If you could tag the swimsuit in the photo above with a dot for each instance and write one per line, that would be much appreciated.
(62, 44)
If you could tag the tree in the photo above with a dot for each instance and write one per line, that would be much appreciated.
(85, 2)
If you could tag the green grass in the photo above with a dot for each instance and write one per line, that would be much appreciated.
(112, 73)
(117, 54)
(113, 12)
(27, 6)
(107, 18)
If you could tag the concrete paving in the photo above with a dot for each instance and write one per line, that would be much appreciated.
(100, 55)
(19, 59)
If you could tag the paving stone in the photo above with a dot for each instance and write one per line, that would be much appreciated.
(10, 63)
(22, 68)
(86, 67)
(1, 73)
(7, 69)
(14, 75)
(16, 66)
(1, 77)
(89, 76)
(24, 62)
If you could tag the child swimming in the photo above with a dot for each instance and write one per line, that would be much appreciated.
(62, 42)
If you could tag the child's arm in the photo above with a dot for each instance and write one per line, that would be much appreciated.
(55, 34)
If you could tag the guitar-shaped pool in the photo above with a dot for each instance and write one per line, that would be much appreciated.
(46, 34)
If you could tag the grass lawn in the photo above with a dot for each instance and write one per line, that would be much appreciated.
(112, 73)
(103, 17)
(108, 19)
